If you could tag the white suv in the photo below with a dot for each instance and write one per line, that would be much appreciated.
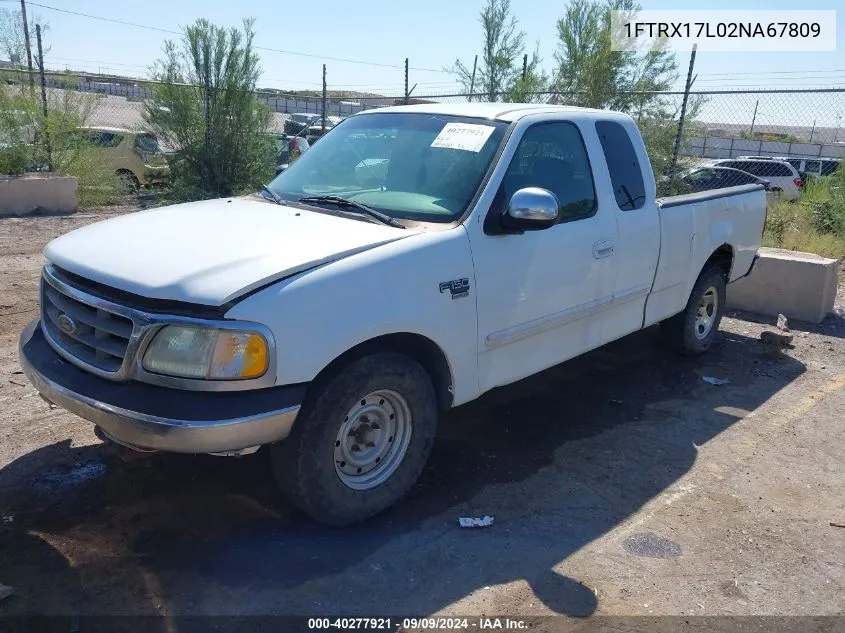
(784, 178)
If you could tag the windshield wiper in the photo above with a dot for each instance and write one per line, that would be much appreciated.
(273, 195)
(345, 202)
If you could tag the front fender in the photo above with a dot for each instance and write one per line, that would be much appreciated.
(415, 285)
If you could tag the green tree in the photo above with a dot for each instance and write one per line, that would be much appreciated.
(530, 87)
(12, 40)
(205, 107)
(499, 73)
(594, 74)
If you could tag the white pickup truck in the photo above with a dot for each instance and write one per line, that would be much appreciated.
(413, 259)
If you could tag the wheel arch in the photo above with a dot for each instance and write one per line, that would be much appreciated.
(125, 171)
(723, 257)
(421, 348)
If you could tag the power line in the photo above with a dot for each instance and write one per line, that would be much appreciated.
(96, 17)
(263, 48)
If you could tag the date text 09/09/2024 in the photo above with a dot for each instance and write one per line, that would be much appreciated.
(722, 29)
(417, 624)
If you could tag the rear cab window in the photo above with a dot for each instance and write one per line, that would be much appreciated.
(626, 173)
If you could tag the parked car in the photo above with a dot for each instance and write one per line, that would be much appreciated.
(335, 315)
(706, 178)
(296, 123)
(811, 168)
(806, 167)
(134, 156)
(289, 149)
(783, 177)
(316, 129)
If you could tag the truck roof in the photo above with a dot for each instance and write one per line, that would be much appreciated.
(485, 110)
(115, 130)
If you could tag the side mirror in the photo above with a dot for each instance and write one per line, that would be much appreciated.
(532, 209)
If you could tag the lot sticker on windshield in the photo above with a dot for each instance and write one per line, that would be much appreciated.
(465, 136)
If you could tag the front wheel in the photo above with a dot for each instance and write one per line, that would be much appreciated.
(361, 442)
(128, 181)
(692, 331)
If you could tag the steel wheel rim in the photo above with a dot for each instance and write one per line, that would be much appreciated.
(705, 317)
(372, 440)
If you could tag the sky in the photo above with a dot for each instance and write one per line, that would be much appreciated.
(432, 34)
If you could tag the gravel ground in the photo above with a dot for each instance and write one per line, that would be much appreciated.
(621, 484)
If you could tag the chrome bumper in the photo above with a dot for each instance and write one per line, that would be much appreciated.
(150, 417)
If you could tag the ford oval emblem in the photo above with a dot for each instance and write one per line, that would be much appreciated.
(66, 324)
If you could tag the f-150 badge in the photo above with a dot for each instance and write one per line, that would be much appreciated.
(458, 287)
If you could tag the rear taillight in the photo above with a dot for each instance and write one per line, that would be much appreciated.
(798, 182)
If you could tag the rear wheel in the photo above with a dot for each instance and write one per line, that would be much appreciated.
(361, 441)
(691, 332)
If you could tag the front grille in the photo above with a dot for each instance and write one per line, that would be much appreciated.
(93, 335)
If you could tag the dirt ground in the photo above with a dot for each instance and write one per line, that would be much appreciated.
(621, 484)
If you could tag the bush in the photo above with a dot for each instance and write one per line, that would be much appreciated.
(205, 107)
(18, 128)
(815, 224)
(827, 217)
(29, 141)
(14, 159)
(777, 225)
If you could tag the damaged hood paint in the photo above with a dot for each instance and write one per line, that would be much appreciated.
(213, 251)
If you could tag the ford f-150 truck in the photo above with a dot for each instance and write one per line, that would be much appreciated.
(413, 259)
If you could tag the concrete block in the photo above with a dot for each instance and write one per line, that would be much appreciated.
(37, 193)
(798, 285)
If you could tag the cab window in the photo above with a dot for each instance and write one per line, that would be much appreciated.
(626, 174)
(552, 156)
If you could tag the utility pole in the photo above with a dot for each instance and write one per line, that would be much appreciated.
(44, 97)
(323, 124)
(753, 119)
(206, 80)
(407, 94)
(812, 130)
(680, 131)
(472, 81)
(524, 66)
(27, 44)
(836, 132)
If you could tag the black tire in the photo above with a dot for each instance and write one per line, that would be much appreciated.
(304, 463)
(681, 330)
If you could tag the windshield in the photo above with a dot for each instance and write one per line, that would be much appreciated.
(422, 167)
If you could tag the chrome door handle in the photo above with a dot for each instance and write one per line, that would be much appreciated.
(603, 248)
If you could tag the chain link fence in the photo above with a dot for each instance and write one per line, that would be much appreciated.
(721, 124)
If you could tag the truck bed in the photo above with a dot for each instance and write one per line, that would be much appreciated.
(714, 219)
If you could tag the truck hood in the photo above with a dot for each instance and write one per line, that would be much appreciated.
(213, 251)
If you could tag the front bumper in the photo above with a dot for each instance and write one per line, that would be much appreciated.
(157, 175)
(150, 417)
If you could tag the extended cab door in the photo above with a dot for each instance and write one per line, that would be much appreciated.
(637, 221)
(541, 295)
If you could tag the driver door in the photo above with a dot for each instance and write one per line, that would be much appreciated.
(541, 295)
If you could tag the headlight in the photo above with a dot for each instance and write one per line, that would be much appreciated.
(207, 353)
